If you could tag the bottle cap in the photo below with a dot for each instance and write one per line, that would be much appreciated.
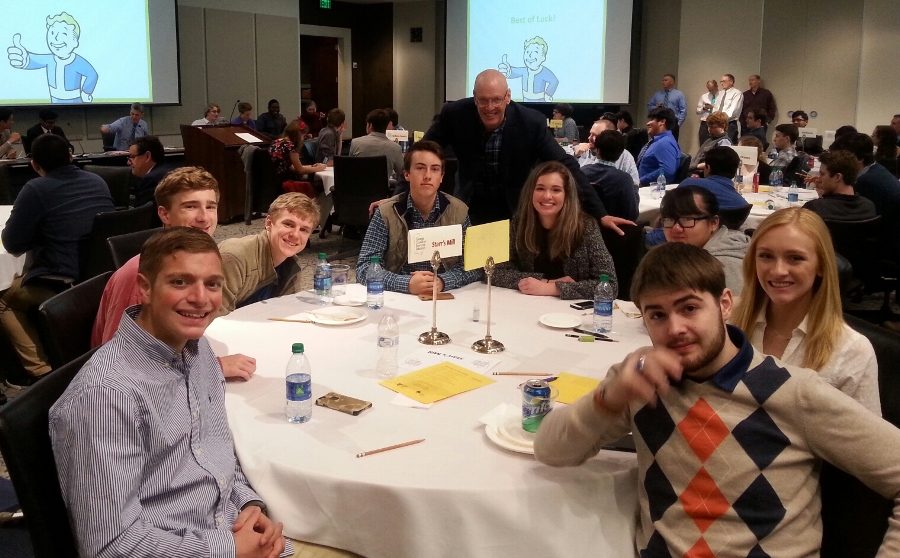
(322, 255)
(374, 259)
(297, 348)
(604, 277)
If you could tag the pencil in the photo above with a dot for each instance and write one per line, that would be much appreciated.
(519, 373)
(388, 448)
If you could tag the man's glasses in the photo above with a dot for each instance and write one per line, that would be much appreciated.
(684, 222)
(489, 102)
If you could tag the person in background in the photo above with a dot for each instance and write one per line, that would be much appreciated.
(791, 308)
(672, 99)
(843, 131)
(146, 157)
(265, 265)
(144, 454)
(616, 188)
(587, 152)
(211, 116)
(375, 143)
(661, 154)
(7, 137)
(730, 102)
(759, 100)
(690, 214)
(50, 218)
(895, 124)
(838, 201)
(886, 150)
(330, 137)
(717, 123)
(285, 154)
(635, 138)
(394, 121)
(755, 125)
(47, 125)
(721, 166)
(313, 119)
(783, 153)
(752, 488)
(799, 119)
(424, 206)
(568, 132)
(555, 249)
(245, 116)
(874, 181)
(128, 128)
(706, 106)
(762, 166)
(272, 122)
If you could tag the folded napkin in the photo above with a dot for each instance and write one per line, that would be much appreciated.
(628, 308)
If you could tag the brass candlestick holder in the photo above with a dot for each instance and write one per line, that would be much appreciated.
(434, 337)
(488, 345)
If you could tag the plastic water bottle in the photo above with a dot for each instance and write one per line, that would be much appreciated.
(793, 194)
(375, 283)
(322, 279)
(388, 343)
(776, 179)
(298, 386)
(661, 184)
(738, 181)
(603, 305)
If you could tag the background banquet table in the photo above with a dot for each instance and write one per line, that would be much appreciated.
(455, 494)
(10, 265)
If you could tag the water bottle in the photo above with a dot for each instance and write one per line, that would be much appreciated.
(375, 284)
(793, 194)
(298, 386)
(775, 179)
(738, 181)
(603, 305)
(322, 279)
(388, 342)
(661, 184)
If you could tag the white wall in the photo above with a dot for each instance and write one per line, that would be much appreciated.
(879, 80)
(414, 64)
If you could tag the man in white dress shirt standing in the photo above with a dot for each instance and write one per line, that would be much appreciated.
(730, 103)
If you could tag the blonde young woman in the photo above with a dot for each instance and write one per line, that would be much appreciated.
(790, 307)
(555, 249)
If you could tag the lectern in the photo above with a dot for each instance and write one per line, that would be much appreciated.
(215, 148)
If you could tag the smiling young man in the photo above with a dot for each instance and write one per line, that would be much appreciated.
(838, 201)
(145, 456)
(422, 207)
(729, 441)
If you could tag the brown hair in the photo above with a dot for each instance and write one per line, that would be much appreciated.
(423, 145)
(842, 162)
(674, 266)
(171, 240)
(298, 204)
(184, 179)
(719, 119)
(568, 233)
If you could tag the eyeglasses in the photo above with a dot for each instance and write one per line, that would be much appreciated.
(684, 222)
(489, 102)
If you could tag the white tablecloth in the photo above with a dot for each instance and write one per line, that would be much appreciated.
(456, 494)
(327, 177)
(10, 265)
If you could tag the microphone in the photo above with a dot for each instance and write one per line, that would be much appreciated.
(232, 110)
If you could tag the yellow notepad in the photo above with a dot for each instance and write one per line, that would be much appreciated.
(436, 382)
(572, 387)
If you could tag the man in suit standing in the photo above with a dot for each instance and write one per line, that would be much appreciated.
(47, 125)
(497, 142)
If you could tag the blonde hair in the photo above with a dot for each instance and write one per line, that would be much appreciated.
(824, 316)
(719, 119)
(64, 17)
(183, 179)
(298, 204)
(568, 232)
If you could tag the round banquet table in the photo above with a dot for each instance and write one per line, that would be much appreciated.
(457, 493)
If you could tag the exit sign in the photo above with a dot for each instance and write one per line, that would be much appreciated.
(325, 4)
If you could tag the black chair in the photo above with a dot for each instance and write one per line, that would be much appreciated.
(6, 197)
(109, 141)
(684, 167)
(887, 352)
(626, 252)
(266, 184)
(65, 320)
(309, 151)
(734, 218)
(123, 247)
(119, 180)
(26, 448)
(358, 181)
(95, 257)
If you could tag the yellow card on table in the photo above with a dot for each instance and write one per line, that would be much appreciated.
(484, 241)
(417, 136)
(572, 387)
(436, 382)
(556, 123)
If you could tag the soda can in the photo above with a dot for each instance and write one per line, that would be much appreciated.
(536, 403)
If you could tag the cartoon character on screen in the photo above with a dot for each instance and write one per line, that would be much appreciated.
(539, 83)
(70, 77)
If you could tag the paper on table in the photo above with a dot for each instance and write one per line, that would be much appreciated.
(484, 241)
(417, 136)
(436, 382)
(628, 308)
(426, 357)
(249, 138)
(572, 387)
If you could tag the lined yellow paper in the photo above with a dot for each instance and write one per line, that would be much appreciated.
(487, 240)
(572, 387)
(437, 382)
(417, 136)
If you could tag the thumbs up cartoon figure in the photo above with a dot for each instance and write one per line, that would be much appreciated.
(539, 83)
(17, 54)
(504, 66)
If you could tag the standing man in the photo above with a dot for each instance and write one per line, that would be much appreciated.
(730, 102)
(145, 157)
(670, 98)
(759, 100)
(661, 154)
(706, 106)
(140, 438)
(330, 137)
(729, 441)
(272, 123)
(128, 128)
(497, 142)
(49, 218)
(7, 136)
(375, 143)
(47, 125)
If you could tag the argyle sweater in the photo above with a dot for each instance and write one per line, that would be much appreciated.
(729, 467)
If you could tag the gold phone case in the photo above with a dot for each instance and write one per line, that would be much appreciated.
(343, 403)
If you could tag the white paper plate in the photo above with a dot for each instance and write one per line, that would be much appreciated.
(337, 315)
(560, 320)
(506, 436)
(349, 300)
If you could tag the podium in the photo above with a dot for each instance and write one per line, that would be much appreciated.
(215, 148)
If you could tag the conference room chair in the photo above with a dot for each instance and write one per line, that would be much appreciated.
(95, 256)
(626, 251)
(119, 180)
(358, 181)
(65, 320)
(887, 353)
(6, 197)
(684, 167)
(25, 445)
(109, 141)
(123, 247)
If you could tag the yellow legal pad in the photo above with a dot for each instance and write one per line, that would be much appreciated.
(572, 387)
(487, 240)
(436, 382)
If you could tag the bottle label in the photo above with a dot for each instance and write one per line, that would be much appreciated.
(298, 387)
(603, 307)
(375, 287)
(322, 283)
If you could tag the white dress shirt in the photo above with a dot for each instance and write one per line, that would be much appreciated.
(730, 103)
(711, 99)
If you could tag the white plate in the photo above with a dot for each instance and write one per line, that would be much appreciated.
(506, 436)
(560, 320)
(337, 315)
(349, 300)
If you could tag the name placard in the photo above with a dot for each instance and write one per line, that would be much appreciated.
(422, 243)
(484, 241)
(397, 135)
(555, 123)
